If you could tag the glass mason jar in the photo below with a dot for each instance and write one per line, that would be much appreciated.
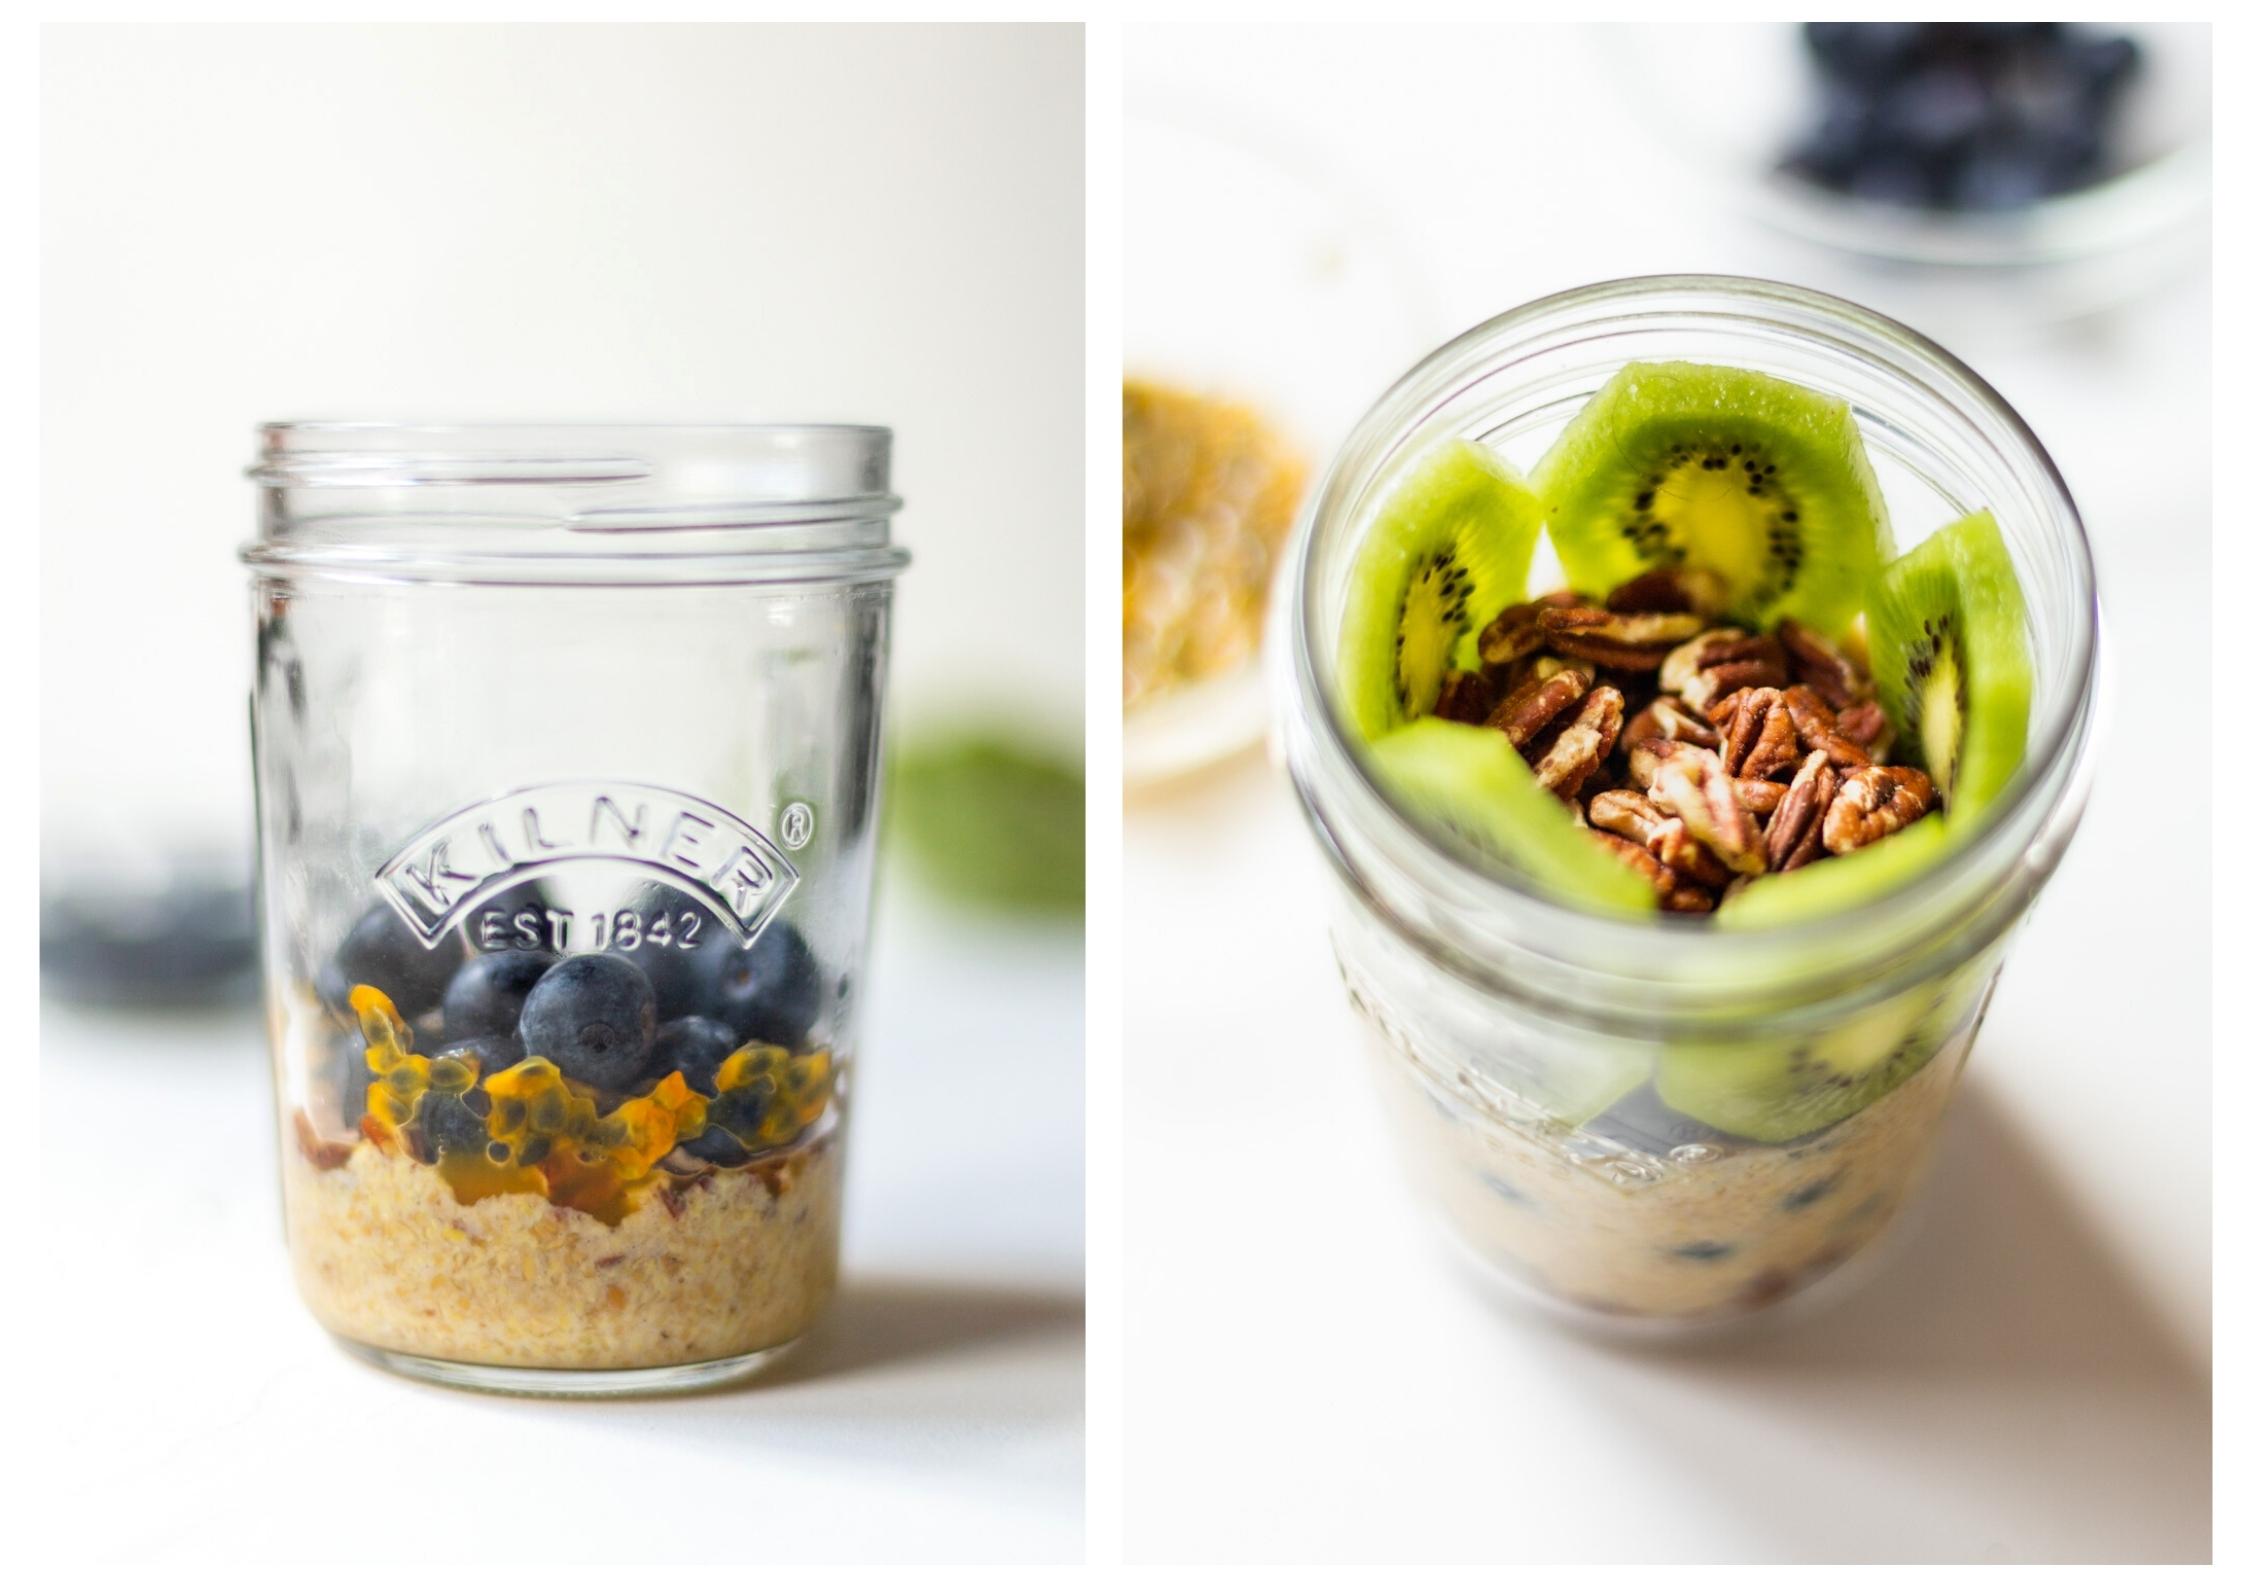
(1517, 1040)
(567, 745)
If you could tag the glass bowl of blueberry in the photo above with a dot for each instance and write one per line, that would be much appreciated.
(2066, 163)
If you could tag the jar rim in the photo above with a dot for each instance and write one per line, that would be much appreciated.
(574, 500)
(2044, 795)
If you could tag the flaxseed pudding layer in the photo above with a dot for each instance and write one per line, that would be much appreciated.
(734, 1261)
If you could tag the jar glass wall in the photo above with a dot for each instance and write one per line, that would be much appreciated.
(1516, 1036)
(567, 748)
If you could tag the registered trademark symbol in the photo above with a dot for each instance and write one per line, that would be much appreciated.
(795, 825)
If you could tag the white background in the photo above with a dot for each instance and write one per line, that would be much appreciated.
(1306, 1378)
(879, 224)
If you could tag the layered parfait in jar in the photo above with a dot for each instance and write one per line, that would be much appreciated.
(561, 1141)
(1742, 713)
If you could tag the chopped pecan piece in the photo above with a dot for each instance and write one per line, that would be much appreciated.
(1667, 718)
(1720, 662)
(1672, 890)
(1671, 590)
(1796, 830)
(1821, 666)
(1585, 740)
(1873, 803)
(1758, 740)
(1515, 633)
(1819, 728)
(1696, 790)
(1647, 756)
(1536, 703)
(1466, 697)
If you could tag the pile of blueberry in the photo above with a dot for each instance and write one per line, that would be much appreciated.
(1969, 116)
(616, 1022)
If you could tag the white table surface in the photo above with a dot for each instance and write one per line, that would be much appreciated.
(936, 1413)
(2026, 1378)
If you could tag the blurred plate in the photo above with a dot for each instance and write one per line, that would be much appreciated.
(1249, 274)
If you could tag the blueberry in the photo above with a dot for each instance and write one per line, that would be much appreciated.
(670, 965)
(715, 1146)
(1937, 109)
(2101, 64)
(768, 991)
(694, 1046)
(594, 1017)
(1893, 179)
(519, 919)
(2000, 177)
(382, 951)
(1642, 1122)
(485, 997)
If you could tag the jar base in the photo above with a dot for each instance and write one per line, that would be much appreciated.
(570, 1383)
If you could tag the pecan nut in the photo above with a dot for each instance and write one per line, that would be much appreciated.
(1667, 718)
(1536, 703)
(1671, 590)
(1865, 723)
(1719, 663)
(1466, 697)
(1673, 892)
(1622, 628)
(1795, 834)
(1820, 665)
(1515, 633)
(1585, 740)
(1696, 790)
(1875, 802)
(1759, 798)
(1758, 738)
(1819, 728)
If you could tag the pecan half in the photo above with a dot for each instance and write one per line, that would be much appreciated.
(1671, 590)
(1647, 755)
(1866, 724)
(1667, 718)
(1536, 703)
(1819, 728)
(1758, 739)
(1622, 628)
(1466, 697)
(1820, 666)
(1759, 798)
(1719, 663)
(1585, 740)
(1672, 890)
(1875, 802)
(1698, 792)
(1626, 811)
(1515, 633)
(1796, 829)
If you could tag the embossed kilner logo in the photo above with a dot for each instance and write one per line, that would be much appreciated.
(455, 866)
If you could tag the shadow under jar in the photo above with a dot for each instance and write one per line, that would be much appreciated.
(1499, 1018)
(567, 750)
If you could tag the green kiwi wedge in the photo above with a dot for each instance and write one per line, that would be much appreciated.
(1948, 640)
(1778, 1091)
(1472, 784)
(1448, 549)
(1838, 881)
(1761, 482)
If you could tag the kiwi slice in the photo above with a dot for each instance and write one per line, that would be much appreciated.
(1948, 639)
(1777, 1091)
(1838, 881)
(1447, 550)
(1471, 783)
(1757, 480)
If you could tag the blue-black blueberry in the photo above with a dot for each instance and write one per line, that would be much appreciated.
(486, 995)
(694, 1046)
(594, 1017)
(382, 951)
(767, 991)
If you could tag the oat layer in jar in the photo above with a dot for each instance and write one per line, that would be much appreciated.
(567, 745)
(1671, 882)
